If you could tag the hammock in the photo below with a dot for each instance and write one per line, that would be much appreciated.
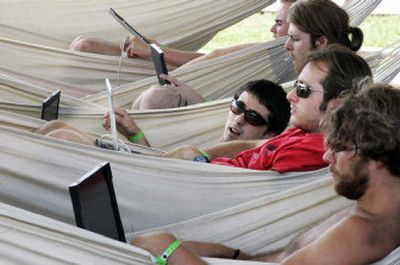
(28, 238)
(142, 183)
(183, 24)
(214, 79)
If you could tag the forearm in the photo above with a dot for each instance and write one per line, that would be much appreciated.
(191, 96)
(204, 249)
(231, 149)
(179, 57)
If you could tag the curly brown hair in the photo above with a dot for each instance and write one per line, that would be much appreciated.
(370, 122)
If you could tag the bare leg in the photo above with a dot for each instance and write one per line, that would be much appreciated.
(61, 130)
(94, 45)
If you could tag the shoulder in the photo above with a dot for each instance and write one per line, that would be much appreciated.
(354, 240)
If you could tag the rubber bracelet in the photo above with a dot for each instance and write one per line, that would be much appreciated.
(204, 153)
(163, 259)
(136, 137)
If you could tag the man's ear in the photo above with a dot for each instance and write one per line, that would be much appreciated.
(333, 104)
(321, 42)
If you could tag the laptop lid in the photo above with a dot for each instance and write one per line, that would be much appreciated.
(95, 205)
(111, 109)
(50, 106)
(157, 53)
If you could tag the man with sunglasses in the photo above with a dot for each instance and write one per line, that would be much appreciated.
(325, 75)
(259, 110)
(363, 138)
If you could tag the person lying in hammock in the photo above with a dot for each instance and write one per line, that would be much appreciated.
(313, 24)
(363, 138)
(322, 80)
(259, 110)
(135, 47)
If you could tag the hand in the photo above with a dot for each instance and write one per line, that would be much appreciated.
(125, 124)
(188, 152)
(138, 48)
(156, 243)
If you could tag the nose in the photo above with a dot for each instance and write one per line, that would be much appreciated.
(273, 29)
(291, 96)
(328, 156)
(240, 118)
(289, 44)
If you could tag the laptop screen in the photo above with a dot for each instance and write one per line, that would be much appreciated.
(95, 205)
(50, 107)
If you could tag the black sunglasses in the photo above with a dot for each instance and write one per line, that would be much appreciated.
(250, 116)
(302, 90)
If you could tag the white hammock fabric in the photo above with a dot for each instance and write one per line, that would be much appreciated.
(183, 24)
(85, 73)
(200, 124)
(143, 184)
(28, 238)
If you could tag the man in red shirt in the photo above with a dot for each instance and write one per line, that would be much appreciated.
(325, 75)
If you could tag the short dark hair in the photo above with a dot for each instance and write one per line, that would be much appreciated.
(345, 68)
(273, 97)
(369, 121)
(325, 18)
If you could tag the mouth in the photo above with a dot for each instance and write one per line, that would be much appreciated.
(234, 131)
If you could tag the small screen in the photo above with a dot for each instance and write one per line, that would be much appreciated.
(50, 107)
(95, 204)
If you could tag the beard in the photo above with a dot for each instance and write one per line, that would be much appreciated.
(354, 185)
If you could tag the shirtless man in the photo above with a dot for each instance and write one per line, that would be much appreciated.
(363, 137)
(259, 110)
(135, 47)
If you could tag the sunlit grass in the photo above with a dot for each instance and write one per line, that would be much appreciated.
(379, 31)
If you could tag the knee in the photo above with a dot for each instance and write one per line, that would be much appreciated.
(51, 126)
(159, 98)
(82, 44)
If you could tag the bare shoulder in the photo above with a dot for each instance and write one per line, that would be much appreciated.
(354, 240)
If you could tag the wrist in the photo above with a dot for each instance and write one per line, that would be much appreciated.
(133, 138)
(168, 252)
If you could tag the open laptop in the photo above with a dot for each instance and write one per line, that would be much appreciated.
(111, 109)
(95, 205)
(157, 53)
(50, 106)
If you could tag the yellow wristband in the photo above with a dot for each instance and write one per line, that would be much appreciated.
(136, 137)
(204, 153)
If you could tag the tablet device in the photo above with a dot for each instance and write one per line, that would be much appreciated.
(50, 106)
(94, 203)
(158, 59)
(156, 52)
(111, 109)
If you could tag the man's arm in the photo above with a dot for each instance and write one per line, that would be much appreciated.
(229, 149)
(137, 48)
(157, 243)
(220, 52)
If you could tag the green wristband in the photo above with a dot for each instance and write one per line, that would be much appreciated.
(136, 137)
(203, 153)
(163, 259)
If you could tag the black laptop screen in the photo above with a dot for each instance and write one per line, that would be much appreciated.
(50, 106)
(95, 205)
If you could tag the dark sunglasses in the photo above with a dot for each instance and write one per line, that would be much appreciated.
(302, 90)
(250, 116)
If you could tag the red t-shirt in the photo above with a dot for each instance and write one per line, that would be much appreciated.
(293, 150)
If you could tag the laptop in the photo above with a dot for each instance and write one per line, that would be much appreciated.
(50, 106)
(95, 205)
(111, 109)
(157, 53)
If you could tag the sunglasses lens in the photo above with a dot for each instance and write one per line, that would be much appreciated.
(251, 117)
(302, 90)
